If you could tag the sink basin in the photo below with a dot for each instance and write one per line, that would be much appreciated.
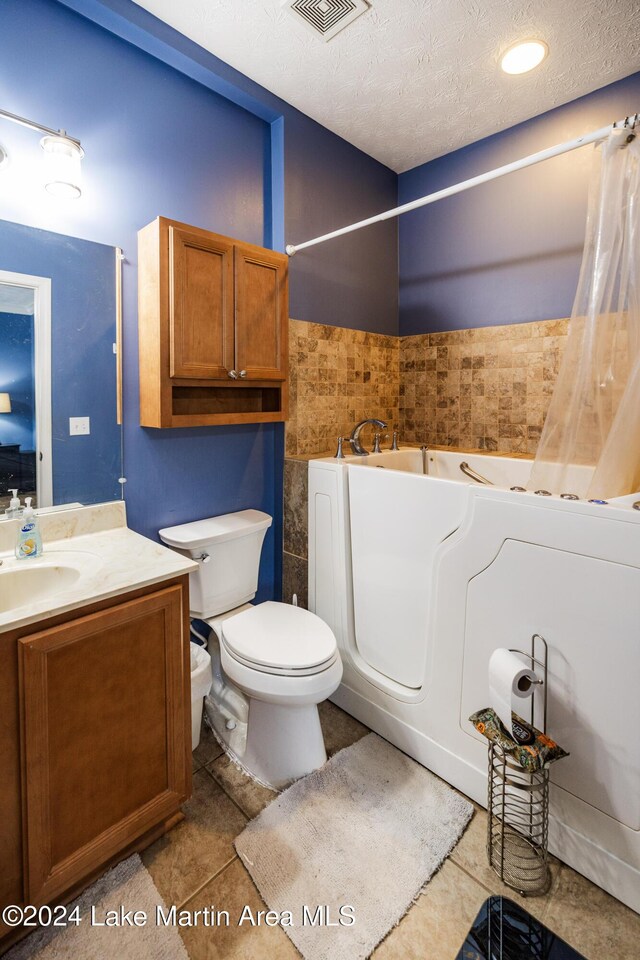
(25, 582)
(21, 585)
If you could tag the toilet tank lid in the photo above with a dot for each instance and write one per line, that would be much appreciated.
(228, 526)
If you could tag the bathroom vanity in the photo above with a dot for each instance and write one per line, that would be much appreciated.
(95, 739)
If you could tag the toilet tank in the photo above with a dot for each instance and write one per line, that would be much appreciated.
(228, 550)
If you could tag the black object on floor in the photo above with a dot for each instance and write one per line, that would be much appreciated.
(504, 931)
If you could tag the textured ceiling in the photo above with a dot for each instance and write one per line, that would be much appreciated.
(411, 80)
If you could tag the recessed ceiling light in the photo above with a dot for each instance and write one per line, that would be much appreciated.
(524, 56)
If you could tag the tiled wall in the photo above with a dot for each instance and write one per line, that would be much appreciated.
(294, 563)
(337, 377)
(481, 389)
(486, 388)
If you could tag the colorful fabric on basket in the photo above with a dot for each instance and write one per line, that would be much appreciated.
(535, 756)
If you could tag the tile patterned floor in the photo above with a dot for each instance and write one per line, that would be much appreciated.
(195, 866)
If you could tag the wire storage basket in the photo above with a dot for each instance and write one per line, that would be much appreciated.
(518, 823)
(518, 812)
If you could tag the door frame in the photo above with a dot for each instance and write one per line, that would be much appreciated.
(41, 287)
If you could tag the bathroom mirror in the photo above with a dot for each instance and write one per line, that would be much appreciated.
(60, 435)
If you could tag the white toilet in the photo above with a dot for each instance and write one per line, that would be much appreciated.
(273, 663)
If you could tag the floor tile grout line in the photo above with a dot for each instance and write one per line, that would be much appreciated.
(206, 883)
(210, 760)
(471, 876)
(195, 770)
(204, 765)
(226, 793)
(209, 879)
(493, 893)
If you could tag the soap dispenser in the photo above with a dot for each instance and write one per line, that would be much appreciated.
(29, 542)
(14, 509)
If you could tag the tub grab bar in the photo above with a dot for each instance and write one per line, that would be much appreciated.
(470, 472)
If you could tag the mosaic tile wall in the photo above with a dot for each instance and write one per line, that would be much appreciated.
(337, 377)
(487, 388)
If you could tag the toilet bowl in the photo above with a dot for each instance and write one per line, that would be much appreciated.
(272, 663)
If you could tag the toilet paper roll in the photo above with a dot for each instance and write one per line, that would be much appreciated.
(510, 680)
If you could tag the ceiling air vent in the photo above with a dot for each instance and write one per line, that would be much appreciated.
(326, 18)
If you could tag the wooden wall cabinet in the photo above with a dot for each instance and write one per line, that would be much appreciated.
(95, 741)
(213, 328)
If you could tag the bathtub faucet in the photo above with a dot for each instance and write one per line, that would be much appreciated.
(356, 447)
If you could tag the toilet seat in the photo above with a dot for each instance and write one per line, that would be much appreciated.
(280, 639)
(282, 671)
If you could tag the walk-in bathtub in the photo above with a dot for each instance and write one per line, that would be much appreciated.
(422, 575)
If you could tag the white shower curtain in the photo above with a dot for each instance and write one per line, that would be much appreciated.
(590, 444)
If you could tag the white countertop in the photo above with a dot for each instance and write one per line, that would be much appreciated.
(107, 558)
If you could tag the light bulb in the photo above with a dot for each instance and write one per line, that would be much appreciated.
(522, 57)
(63, 175)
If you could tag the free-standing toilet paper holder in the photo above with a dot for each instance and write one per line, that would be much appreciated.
(518, 803)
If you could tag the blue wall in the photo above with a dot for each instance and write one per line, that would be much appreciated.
(16, 379)
(352, 281)
(508, 251)
(158, 142)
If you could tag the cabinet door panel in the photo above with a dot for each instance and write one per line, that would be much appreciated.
(261, 313)
(10, 811)
(105, 721)
(200, 305)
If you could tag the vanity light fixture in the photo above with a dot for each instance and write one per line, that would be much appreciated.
(62, 155)
(524, 56)
(5, 403)
(62, 166)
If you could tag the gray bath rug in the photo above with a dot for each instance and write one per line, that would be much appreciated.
(366, 831)
(128, 885)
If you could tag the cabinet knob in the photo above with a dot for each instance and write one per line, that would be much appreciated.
(233, 374)
(243, 373)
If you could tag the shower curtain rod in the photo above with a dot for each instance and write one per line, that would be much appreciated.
(534, 158)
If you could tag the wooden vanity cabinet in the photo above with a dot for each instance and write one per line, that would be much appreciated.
(11, 874)
(95, 741)
(213, 328)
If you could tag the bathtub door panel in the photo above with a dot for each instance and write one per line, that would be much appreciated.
(588, 610)
(397, 522)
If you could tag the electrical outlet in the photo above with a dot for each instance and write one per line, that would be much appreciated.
(79, 426)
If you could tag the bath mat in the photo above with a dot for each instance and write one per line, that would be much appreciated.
(127, 885)
(366, 831)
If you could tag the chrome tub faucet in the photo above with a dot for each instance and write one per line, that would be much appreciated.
(356, 447)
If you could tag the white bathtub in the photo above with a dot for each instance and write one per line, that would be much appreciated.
(445, 465)
(422, 577)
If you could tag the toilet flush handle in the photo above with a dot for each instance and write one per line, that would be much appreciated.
(203, 558)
